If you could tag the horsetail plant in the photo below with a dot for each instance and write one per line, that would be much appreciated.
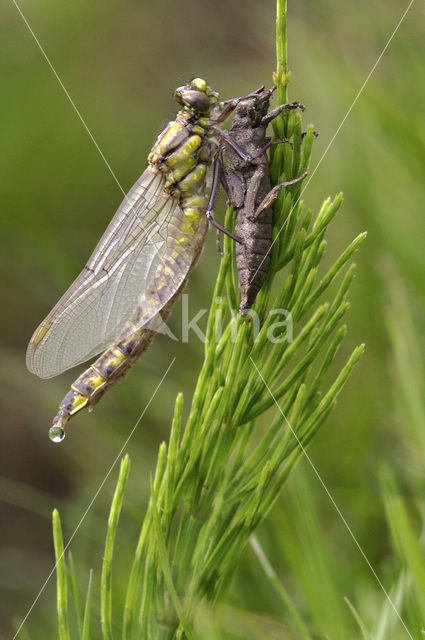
(220, 473)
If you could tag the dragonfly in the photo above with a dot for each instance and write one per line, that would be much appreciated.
(247, 182)
(124, 294)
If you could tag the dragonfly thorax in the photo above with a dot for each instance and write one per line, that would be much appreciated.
(183, 152)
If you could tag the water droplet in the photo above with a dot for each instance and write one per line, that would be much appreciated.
(56, 434)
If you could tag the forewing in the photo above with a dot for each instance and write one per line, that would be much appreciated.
(105, 294)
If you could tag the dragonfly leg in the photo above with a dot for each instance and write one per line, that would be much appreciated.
(269, 144)
(271, 115)
(265, 120)
(273, 193)
(249, 95)
(213, 198)
(230, 107)
(236, 148)
(234, 187)
(252, 190)
(233, 103)
(241, 153)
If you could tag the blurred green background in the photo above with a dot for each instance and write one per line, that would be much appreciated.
(120, 62)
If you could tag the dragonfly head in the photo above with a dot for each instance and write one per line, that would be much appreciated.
(197, 96)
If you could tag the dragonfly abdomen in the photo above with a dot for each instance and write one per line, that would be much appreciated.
(112, 365)
(90, 386)
(93, 379)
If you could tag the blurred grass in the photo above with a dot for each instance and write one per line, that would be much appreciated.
(120, 62)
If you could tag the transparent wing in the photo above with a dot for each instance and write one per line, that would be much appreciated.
(123, 267)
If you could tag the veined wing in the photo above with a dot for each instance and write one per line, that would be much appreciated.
(123, 266)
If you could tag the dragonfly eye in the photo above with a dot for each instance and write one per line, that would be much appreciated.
(193, 99)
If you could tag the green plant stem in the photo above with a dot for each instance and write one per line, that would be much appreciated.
(61, 579)
(281, 52)
(106, 587)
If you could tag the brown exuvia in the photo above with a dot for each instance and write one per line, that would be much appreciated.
(247, 182)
